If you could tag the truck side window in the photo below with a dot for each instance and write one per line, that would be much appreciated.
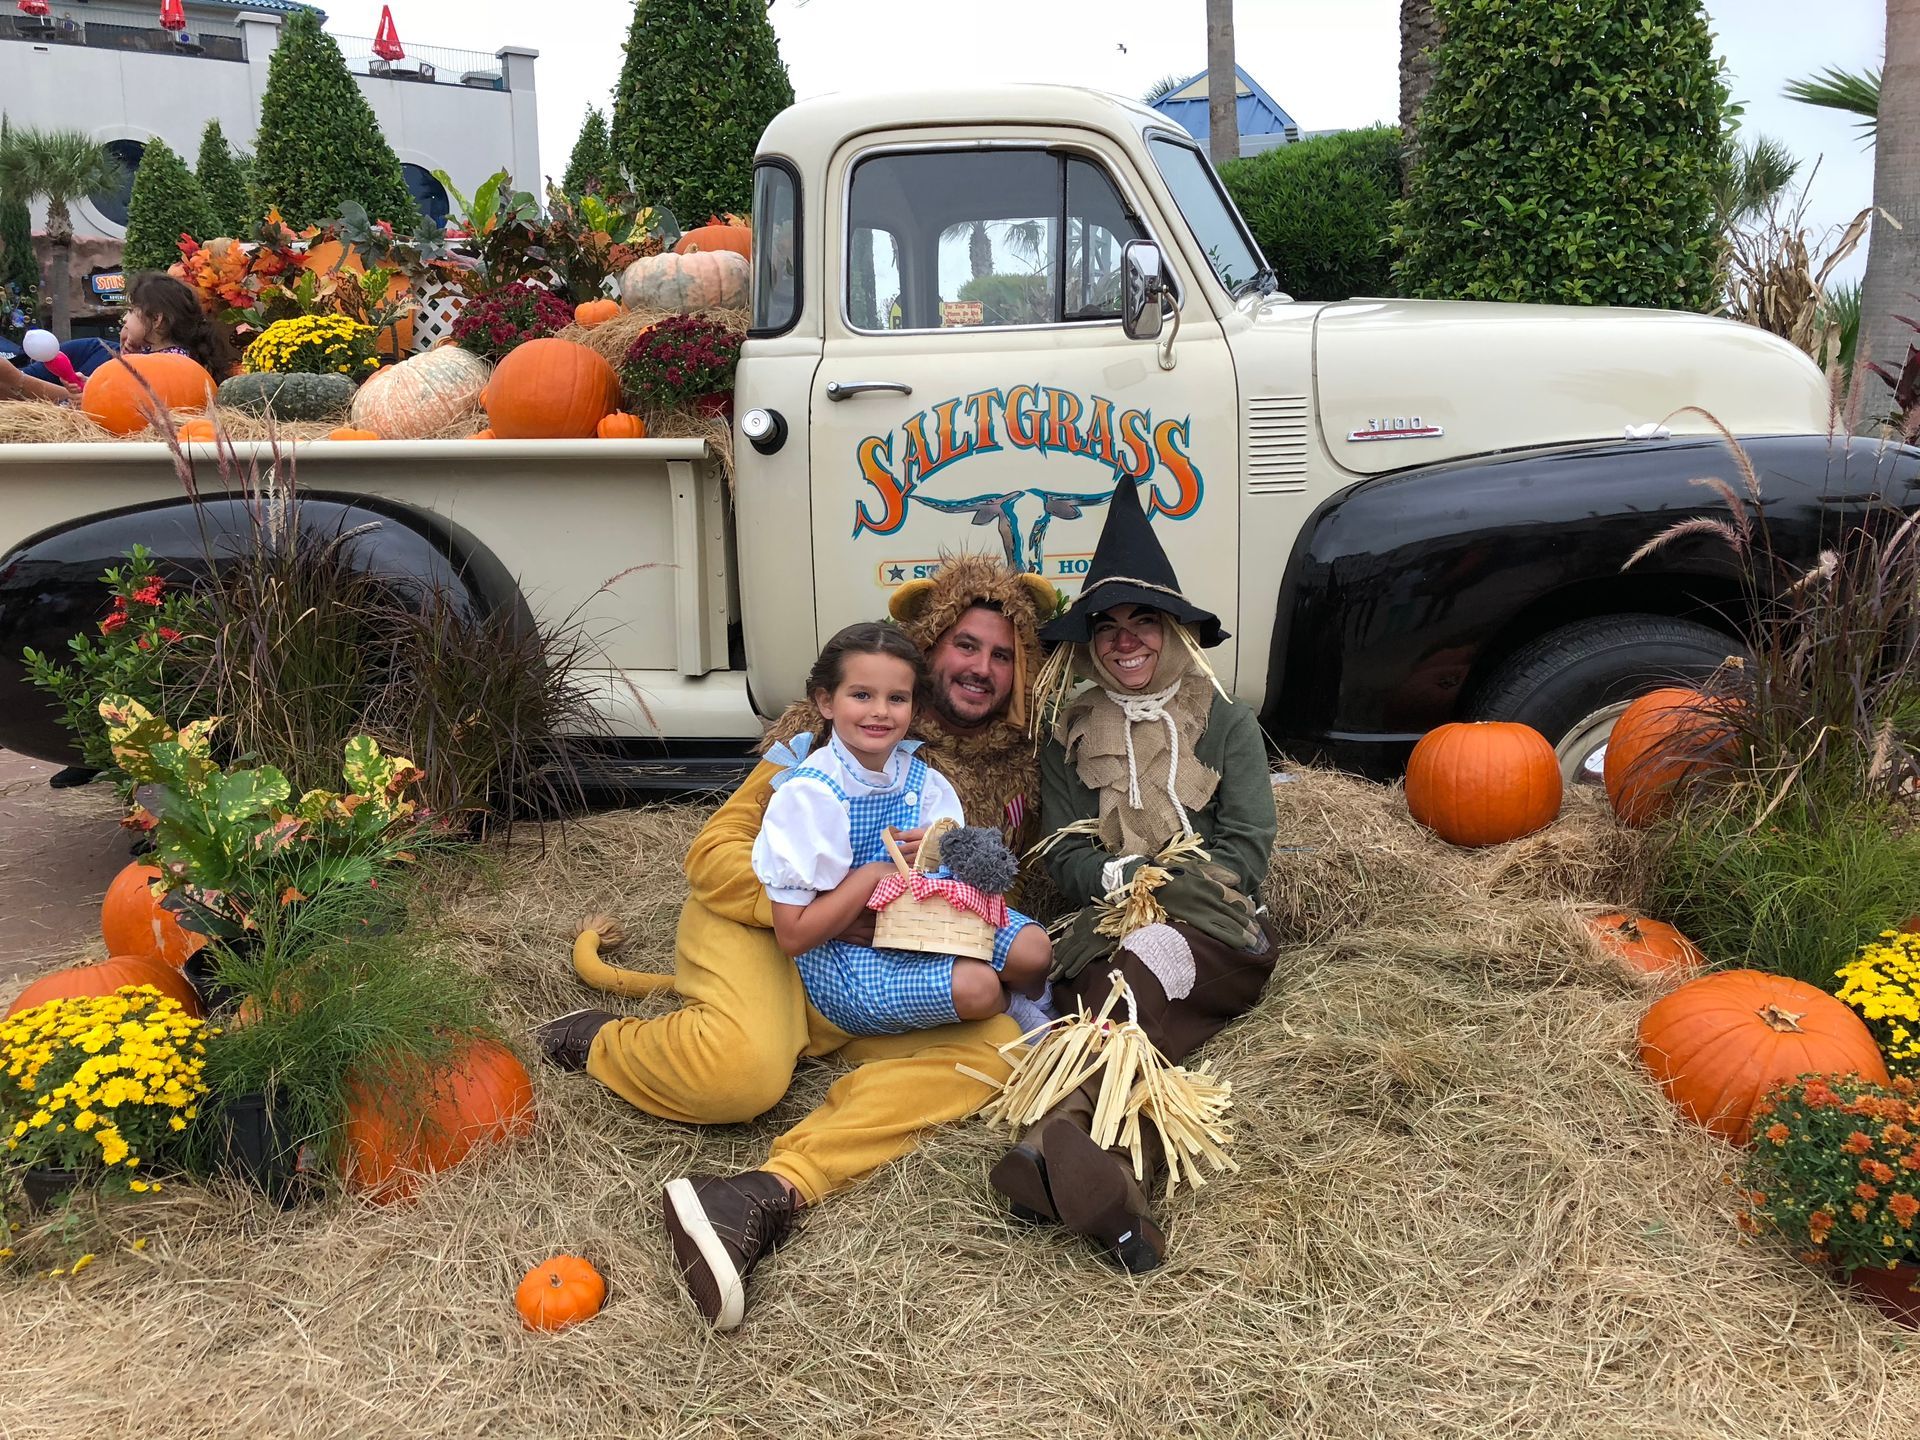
(1208, 215)
(776, 248)
(944, 239)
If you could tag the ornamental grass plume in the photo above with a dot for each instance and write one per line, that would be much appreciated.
(1835, 1170)
(107, 1080)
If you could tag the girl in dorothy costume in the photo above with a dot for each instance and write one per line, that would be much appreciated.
(820, 853)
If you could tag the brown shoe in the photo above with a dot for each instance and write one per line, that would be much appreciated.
(1098, 1197)
(1021, 1176)
(721, 1227)
(568, 1040)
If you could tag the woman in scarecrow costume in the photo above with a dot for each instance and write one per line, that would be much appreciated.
(1157, 801)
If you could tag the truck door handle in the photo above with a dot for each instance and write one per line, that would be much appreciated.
(847, 389)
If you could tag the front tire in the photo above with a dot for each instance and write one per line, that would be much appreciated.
(1571, 684)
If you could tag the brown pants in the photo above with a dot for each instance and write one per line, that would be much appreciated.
(1227, 983)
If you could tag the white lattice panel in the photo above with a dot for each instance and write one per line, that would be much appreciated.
(438, 308)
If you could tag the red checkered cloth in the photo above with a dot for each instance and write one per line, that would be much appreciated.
(990, 908)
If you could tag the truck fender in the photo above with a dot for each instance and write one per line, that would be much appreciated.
(50, 586)
(1404, 592)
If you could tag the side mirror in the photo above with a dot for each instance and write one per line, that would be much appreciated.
(1144, 290)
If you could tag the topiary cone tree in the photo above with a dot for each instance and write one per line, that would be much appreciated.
(224, 182)
(320, 145)
(702, 78)
(1567, 154)
(592, 167)
(167, 202)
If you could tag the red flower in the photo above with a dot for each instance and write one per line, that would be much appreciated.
(168, 633)
(113, 622)
(149, 593)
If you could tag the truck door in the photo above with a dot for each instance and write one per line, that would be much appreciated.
(976, 390)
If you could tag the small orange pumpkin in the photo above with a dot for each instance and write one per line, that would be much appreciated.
(133, 923)
(1718, 1044)
(1647, 947)
(105, 978)
(198, 428)
(483, 435)
(1663, 738)
(1483, 783)
(559, 1292)
(118, 401)
(347, 432)
(622, 426)
(590, 313)
(732, 233)
(396, 1131)
(551, 389)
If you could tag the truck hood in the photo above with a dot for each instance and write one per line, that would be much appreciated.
(1409, 382)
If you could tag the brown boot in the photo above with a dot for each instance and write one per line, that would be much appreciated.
(721, 1228)
(1097, 1196)
(1021, 1176)
(567, 1040)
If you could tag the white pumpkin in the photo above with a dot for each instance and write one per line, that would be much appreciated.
(685, 284)
(420, 397)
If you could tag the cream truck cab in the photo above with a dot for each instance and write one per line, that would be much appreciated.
(974, 311)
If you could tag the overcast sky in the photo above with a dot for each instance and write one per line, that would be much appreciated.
(1333, 64)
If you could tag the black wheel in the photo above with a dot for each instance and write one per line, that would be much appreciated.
(1572, 683)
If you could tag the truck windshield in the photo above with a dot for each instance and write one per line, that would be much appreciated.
(1208, 216)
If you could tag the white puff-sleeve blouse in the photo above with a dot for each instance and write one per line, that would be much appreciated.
(805, 844)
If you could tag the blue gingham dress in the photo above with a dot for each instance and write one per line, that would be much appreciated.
(862, 989)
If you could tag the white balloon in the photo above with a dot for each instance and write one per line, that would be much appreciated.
(41, 345)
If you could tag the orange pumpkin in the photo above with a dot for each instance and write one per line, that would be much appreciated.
(1647, 947)
(106, 977)
(118, 400)
(1483, 783)
(622, 426)
(551, 390)
(132, 922)
(1718, 1044)
(589, 313)
(348, 432)
(702, 280)
(483, 435)
(199, 428)
(1661, 739)
(398, 1130)
(717, 234)
(559, 1292)
(330, 255)
(420, 397)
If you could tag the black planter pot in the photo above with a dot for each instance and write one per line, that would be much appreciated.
(45, 1186)
(251, 1146)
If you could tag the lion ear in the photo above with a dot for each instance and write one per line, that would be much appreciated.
(909, 600)
(1046, 599)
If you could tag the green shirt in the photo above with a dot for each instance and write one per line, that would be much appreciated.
(1238, 825)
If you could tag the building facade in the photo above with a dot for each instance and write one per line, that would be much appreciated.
(109, 68)
(1263, 123)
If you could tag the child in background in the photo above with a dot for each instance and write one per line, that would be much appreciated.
(164, 318)
(820, 854)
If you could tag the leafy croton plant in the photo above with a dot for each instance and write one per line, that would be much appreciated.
(230, 840)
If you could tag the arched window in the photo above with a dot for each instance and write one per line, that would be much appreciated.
(112, 204)
(428, 193)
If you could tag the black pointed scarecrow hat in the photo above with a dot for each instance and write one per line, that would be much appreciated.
(1130, 568)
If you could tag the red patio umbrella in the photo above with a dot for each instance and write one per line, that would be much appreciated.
(35, 7)
(172, 16)
(386, 40)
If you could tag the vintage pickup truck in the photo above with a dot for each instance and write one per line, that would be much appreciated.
(972, 312)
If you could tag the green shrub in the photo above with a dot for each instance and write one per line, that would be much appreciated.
(1569, 152)
(1322, 210)
(592, 166)
(1010, 299)
(320, 145)
(224, 181)
(702, 78)
(167, 203)
(19, 266)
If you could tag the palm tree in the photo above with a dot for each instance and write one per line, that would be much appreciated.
(1163, 87)
(1834, 89)
(1758, 174)
(1893, 251)
(58, 166)
(1223, 86)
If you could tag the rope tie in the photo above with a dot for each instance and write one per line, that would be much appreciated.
(1144, 709)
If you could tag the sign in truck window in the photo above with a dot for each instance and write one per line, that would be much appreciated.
(926, 462)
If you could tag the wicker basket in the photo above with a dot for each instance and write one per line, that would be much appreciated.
(934, 925)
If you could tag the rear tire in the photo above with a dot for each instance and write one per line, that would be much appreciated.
(1572, 683)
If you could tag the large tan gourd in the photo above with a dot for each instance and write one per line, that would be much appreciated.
(420, 397)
